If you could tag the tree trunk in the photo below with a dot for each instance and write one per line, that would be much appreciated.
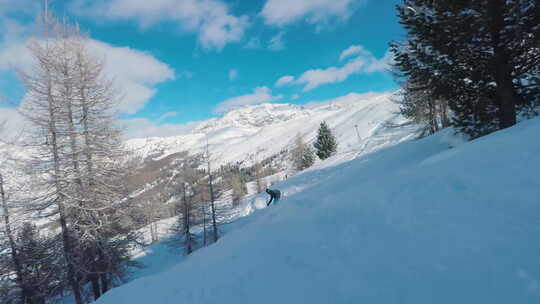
(89, 182)
(204, 219)
(506, 94)
(444, 114)
(433, 126)
(104, 283)
(94, 280)
(40, 300)
(152, 234)
(502, 72)
(212, 204)
(68, 251)
(103, 271)
(187, 224)
(66, 238)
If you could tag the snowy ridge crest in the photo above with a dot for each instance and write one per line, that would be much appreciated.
(254, 116)
(359, 121)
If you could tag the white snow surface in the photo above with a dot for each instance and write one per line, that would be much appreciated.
(252, 133)
(427, 221)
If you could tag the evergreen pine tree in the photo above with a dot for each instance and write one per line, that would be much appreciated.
(308, 157)
(479, 55)
(325, 144)
(42, 271)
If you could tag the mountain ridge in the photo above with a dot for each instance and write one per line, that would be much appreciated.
(266, 129)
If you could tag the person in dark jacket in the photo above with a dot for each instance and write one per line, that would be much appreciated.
(275, 195)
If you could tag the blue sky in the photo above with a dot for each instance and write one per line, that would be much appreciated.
(179, 61)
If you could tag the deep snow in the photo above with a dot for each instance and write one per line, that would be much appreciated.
(427, 221)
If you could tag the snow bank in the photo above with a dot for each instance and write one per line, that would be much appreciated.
(427, 221)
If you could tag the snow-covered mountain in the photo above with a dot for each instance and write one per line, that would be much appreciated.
(362, 124)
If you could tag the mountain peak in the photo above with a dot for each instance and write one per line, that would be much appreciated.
(255, 116)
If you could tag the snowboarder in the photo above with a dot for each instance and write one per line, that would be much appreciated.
(275, 195)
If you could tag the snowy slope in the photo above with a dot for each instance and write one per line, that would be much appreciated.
(264, 130)
(428, 221)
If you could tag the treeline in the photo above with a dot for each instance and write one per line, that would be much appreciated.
(473, 64)
(193, 191)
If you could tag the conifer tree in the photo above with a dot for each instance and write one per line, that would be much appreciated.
(325, 143)
(417, 104)
(481, 56)
(78, 154)
(41, 269)
(213, 193)
(302, 154)
(188, 188)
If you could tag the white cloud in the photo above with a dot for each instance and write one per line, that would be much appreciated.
(135, 73)
(133, 128)
(233, 74)
(12, 124)
(167, 115)
(283, 12)
(142, 127)
(352, 51)
(210, 19)
(17, 20)
(317, 77)
(253, 44)
(276, 43)
(288, 79)
(363, 62)
(11, 30)
(259, 95)
(15, 30)
(382, 64)
(20, 6)
(15, 56)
